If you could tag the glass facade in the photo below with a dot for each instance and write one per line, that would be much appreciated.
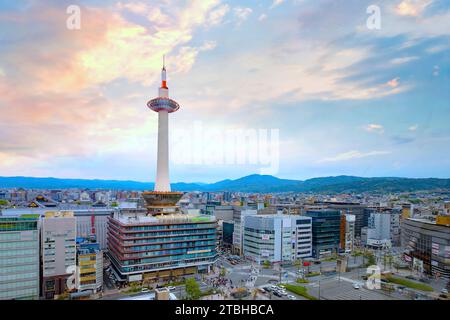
(19, 258)
(326, 225)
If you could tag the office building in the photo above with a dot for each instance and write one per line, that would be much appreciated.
(277, 238)
(325, 232)
(58, 250)
(146, 247)
(227, 233)
(19, 258)
(239, 215)
(427, 246)
(355, 209)
(383, 229)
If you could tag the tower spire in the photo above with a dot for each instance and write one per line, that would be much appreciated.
(163, 74)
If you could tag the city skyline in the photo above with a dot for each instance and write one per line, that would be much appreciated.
(346, 100)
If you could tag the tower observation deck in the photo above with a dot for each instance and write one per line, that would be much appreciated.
(162, 200)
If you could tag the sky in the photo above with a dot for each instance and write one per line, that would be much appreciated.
(333, 93)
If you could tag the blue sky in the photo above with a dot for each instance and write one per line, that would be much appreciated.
(345, 99)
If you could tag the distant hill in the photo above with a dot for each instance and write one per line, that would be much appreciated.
(252, 183)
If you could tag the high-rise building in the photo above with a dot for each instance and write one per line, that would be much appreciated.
(238, 232)
(58, 249)
(160, 241)
(19, 257)
(326, 231)
(355, 209)
(277, 238)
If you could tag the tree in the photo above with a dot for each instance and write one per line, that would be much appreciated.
(266, 264)
(4, 202)
(223, 272)
(193, 289)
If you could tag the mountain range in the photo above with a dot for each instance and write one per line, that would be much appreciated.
(251, 183)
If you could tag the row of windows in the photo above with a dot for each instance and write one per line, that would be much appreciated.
(19, 245)
(164, 252)
(170, 239)
(169, 258)
(16, 253)
(168, 227)
(18, 277)
(18, 269)
(170, 245)
(16, 285)
(168, 264)
(170, 233)
(20, 260)
(31, 293)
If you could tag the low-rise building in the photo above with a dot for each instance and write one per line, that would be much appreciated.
(89, 276)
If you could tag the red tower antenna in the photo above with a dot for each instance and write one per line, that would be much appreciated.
(93, 223)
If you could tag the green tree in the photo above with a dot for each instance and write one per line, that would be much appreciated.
(193, 289)
(4, 202)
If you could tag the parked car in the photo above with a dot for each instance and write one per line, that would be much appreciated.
(356, 286)
(171, 288)
(277, 294)
(145, 290)
(291, 297)
(444, 291)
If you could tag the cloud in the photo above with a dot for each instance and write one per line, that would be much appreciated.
(262, 17)
(135, 7)
(394, 83)
(403, 60)
(216, 16)
(412, 8)
(276, 3)
(354, 154)
(242, 14)
(377, 128)
(413, 127)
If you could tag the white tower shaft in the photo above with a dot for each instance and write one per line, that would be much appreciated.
(162, 167)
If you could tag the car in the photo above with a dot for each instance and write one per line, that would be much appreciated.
(273, 287)
(283, 293)
(262, 290)
(145, 290)
(444, 291)
(171, 288)
(276, 293)
(356, 286)
(317, 262)
(410, 277)
(291, 297)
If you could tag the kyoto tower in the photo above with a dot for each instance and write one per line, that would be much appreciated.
(162, 200)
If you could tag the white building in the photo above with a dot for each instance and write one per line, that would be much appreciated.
(383, 229)
(58, 247)
(239, 216)
(349, 233)
(277, 238)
